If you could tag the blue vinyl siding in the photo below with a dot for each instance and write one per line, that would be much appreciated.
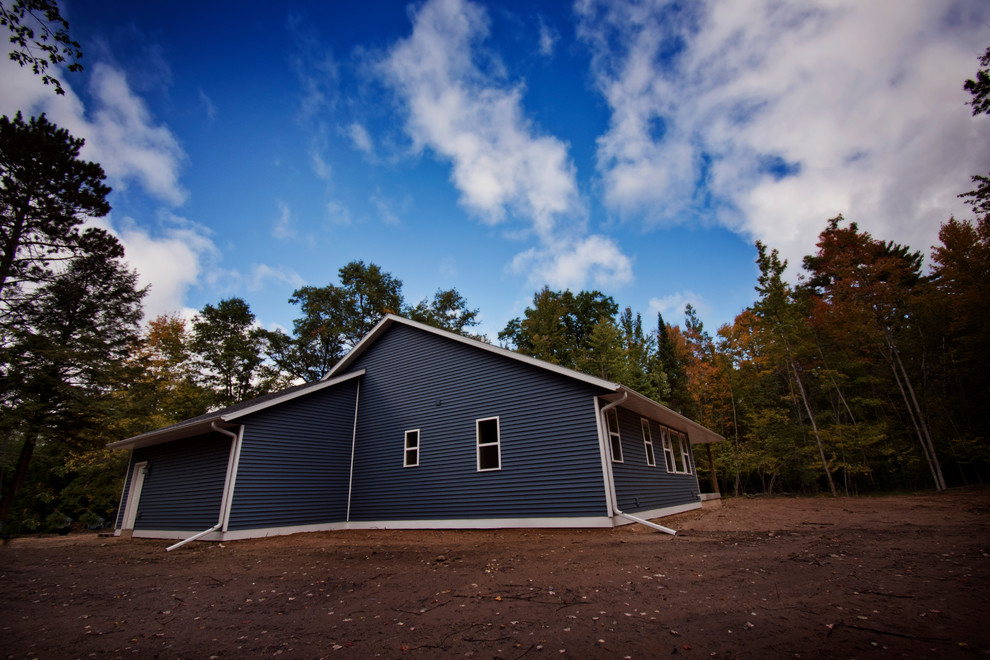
(550, 460)
(638, 486)
(295, 461)
(184, 484)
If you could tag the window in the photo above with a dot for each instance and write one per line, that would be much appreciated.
(651, 459)
(686, 453)
(615, 440)
(489, 447)
(668, 449)
(411, 457)
(676, 451)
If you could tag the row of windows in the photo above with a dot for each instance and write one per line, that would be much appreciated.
(676, 448)
(488, 441)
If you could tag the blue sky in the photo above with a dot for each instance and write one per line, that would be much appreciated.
(636, 148)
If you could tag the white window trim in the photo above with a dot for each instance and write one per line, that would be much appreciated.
(651, 456)
(668, 451)
(686, 453)
(406, 448)
(614, 435)
(682, 451)
(478, 445)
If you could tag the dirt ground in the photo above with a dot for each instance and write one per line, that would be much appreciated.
(902, 576)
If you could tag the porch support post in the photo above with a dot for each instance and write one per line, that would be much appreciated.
(711, 467)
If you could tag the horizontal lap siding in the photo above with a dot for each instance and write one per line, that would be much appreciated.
(295, 461)
(550, 457)
(183, 487)
(639, 486)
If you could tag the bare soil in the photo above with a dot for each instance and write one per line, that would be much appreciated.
(903, 576)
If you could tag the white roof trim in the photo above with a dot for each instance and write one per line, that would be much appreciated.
(274, 401)
(389, 319)
(180, 431)
(696, 432)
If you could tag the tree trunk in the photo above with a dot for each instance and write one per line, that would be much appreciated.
(917, 417)
(814, 427)
(20, 474)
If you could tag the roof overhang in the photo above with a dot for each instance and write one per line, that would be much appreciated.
(636, 402)
(206, 423)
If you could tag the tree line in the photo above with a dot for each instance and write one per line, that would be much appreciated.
(868, 374)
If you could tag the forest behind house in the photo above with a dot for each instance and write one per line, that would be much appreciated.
(864, 369)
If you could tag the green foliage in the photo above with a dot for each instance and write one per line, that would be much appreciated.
(228, 348)
(65, 359)
(448, 311)
(979, 87)
(40, 36)
(46, 193)
(557, 327)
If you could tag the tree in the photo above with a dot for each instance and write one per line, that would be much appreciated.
(229, 348)
(371, 294)
(558, 326)
(46, 193)
(67, 355)
(319, 338)
(980, 87)
(603, 355)
(334, 319)
(672, 386)
(868, 287)
(23, 18)
(448, 311)
(777, 308)
(164, 389)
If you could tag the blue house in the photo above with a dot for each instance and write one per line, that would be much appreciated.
(416, 428)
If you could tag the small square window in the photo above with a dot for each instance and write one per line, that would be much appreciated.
(489, 444)
(411, 452)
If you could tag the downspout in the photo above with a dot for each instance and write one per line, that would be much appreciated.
(608, 444)
(350, 476)
(235, 449)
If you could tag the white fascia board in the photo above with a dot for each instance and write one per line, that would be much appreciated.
(274, 401)
(392, 318)
(165, 435)
(697, 433)
(171, 433)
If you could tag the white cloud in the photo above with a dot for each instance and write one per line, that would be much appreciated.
(672, 306)
(170, 259)
(459, 104)
(261, 274)
(338, 213)
(127, 142)
(315, 68)
(594, 260)
(119, 130)
(548, 39)
(475, 119)
(789, 113)
(208, 105)
(360, 139)
(284, 228)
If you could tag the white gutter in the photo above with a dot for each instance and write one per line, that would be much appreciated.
(228, 489)
(611, 478)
